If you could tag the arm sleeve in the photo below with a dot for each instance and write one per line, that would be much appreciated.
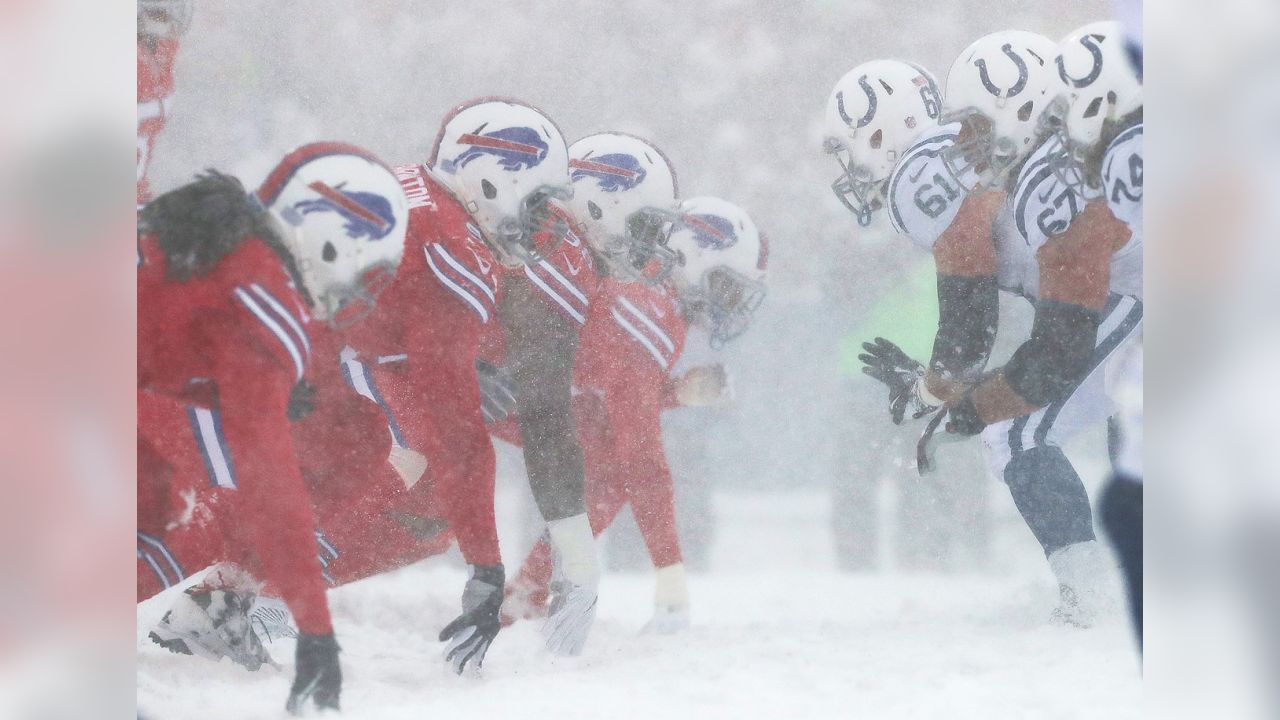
(635, 410)
(968, 314)
(541, 346)
(273, 506)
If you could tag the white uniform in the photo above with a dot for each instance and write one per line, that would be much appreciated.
(924, 196)
(1042, 206)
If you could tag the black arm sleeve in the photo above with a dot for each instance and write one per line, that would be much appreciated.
(968, 314)
(1048, 366)
(541, 345)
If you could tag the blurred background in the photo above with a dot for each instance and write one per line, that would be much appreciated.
(732, 91)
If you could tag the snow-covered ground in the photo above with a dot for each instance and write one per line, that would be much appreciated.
(788, 638)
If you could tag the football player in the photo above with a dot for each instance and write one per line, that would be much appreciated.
(488, 247)
(161, 23)
(624, 196)
(625, 375)
(873, 115)
(948, 195)
(227, 285)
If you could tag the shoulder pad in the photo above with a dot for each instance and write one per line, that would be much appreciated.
(1043, 206)
(924, 194)
(1122, 176)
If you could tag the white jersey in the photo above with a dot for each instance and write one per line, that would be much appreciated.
(1043, 206)
(1122, 183)
(924, 193)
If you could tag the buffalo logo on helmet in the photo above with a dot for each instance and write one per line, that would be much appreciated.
(516, 148)
(613, 172)
(711, 232)
(367, 214)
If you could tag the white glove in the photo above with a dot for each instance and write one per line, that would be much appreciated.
(410, 465)
(575, 590)
(704, 386)
(670, 601)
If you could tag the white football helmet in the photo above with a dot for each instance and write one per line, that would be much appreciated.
(345, 216)
(505, 161)
(1098, 87)
(873, 115)
(720, 266)
(624, 198)
(1099, 80)
(163, 18)
(997, 88)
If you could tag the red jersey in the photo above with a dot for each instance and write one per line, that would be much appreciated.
(155, 86)
(234, 341)
(414, 355)
(567, 276)
(629, 346)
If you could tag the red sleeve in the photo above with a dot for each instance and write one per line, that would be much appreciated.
(635, 409)
(274, 509)
(453, 436)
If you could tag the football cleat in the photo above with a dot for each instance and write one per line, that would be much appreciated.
(213, 624)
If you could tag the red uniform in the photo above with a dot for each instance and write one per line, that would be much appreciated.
(155, 86)
(227, 347)
(343, 446)
(415, 356)
(629, 345)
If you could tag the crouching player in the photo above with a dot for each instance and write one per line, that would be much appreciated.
(226, 286)
(630, 346)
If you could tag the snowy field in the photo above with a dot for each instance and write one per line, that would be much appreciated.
(787, 638)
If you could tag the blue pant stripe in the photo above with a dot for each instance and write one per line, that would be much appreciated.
(222, 445)
(155, 568)
(386, 409)
(1100, 355)
(164, 552)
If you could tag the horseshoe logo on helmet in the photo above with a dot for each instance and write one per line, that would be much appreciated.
(1017, 86)
(1090, 43)
(871, 105)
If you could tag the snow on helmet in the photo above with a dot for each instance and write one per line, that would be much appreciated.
(505, 161)
(348, 214)
(624, 199)
(721, 264)
(997, 88)
(164, 18)
(873, 115)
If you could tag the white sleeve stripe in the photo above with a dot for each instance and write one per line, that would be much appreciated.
(463, 270)
(635, 332)
(563, 280)
(280, 333)
(671, 347)
(553, 295)
(456, 288)
(211, 446)
(279, 307)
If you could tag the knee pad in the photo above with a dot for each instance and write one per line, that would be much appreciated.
(1050, 497)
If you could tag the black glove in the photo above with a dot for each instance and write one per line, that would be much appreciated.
(470, 635)
(318, 675)
(886, 362)
(963, 419)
